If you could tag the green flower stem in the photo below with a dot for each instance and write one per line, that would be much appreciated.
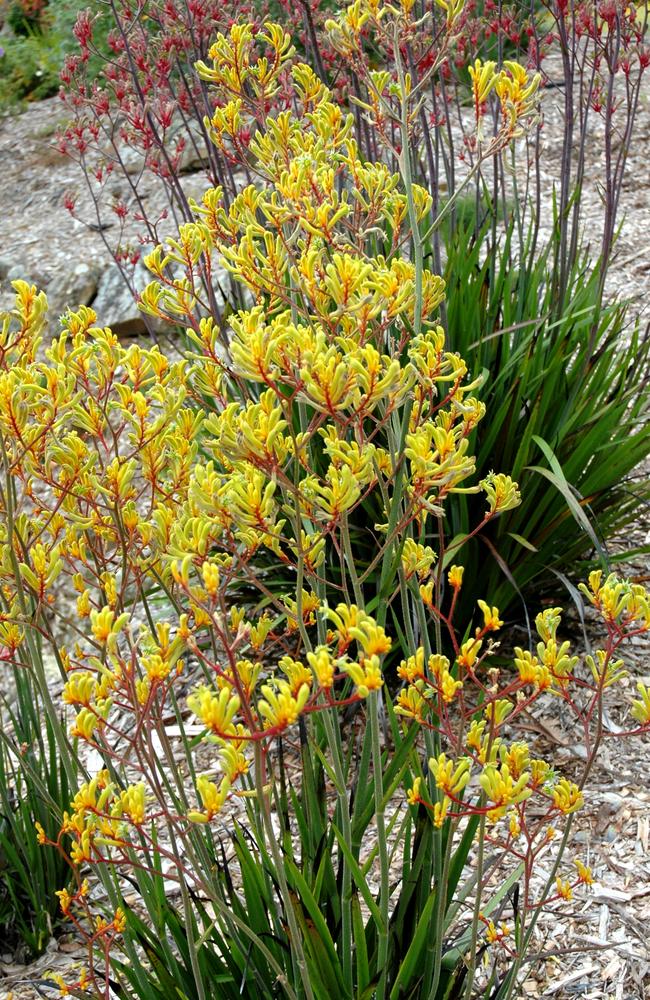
(294, 931)
(384, 863)
(407, 177)
(188, 910)
(350, 561)
(471, 968)
(397, 453)
(334, 741)
(442, 877)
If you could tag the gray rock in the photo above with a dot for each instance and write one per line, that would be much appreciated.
(20, 271)
(6, 264)
(74, 288)
(132, 158)
(190, 163)
(194, 157)
(115, 305)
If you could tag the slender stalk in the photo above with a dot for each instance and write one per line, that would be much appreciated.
(471, 968)
(440, 909)
(334, 741)
(295, 936)
(384, 863)
(350, 561)
(407, 177)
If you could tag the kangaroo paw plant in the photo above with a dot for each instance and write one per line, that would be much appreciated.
(299, 774)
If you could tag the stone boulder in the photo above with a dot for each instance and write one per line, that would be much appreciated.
(74, 287)
(115, 305)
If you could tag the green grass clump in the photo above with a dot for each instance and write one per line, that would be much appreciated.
(566, 389)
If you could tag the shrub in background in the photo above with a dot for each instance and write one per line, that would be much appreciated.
(32, 53)
(358, 863)
(25, 17)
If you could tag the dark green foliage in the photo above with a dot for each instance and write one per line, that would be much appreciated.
(567, 405)
(25, 18)
(33, 788)
(32, 55)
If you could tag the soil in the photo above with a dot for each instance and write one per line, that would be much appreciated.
(597, 948)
